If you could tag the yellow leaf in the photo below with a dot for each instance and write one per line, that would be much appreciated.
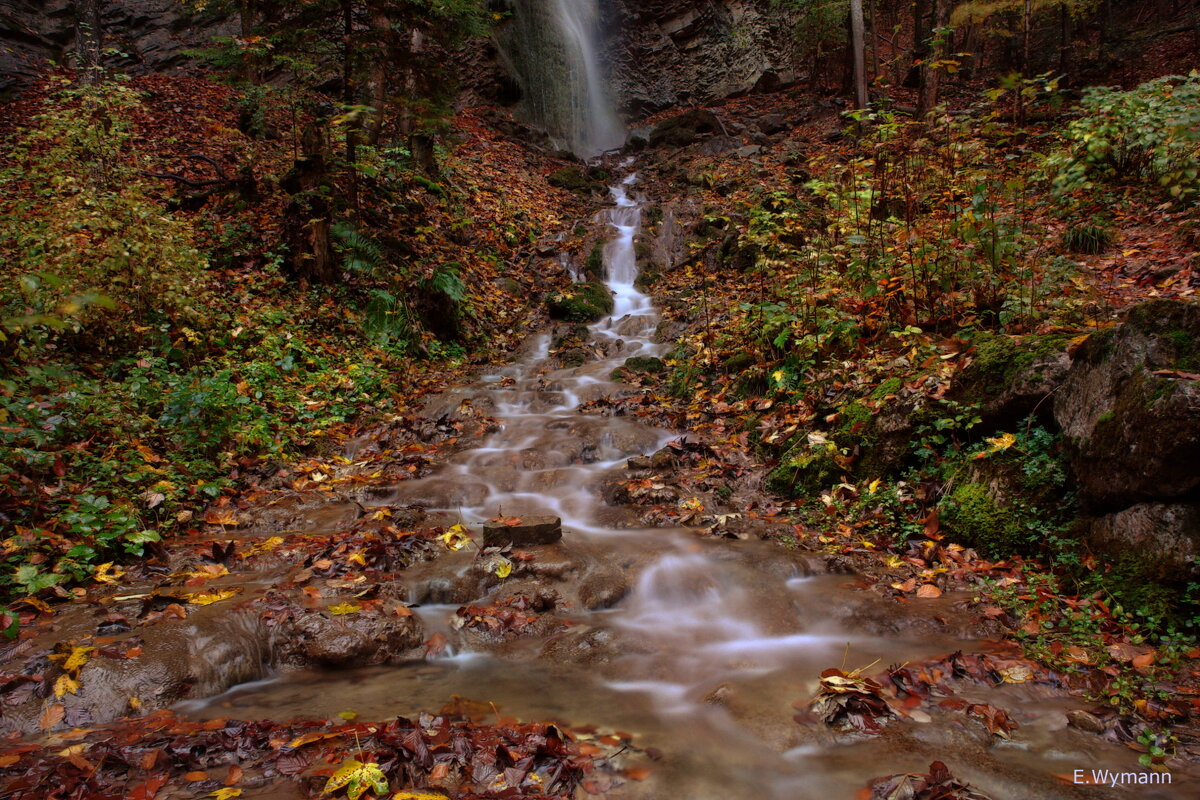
(357, 777)
(418, 794)
(457, 537)
(73, 750)
(208, 598)
(65, 685)
(107, 573)
(873, 487)
(344, 608)
(1001, 442)
(504, 568)
(226, 793)
(347, 715)
(73, 661)
(357, 558)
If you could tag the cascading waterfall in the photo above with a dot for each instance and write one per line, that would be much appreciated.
(553, 46)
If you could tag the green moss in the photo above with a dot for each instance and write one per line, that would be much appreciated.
(738, 362)
(645, 364)
(972, 516)
(574, 179)
(889, 387)
(806, 469)
(583, 302)
(594, 268)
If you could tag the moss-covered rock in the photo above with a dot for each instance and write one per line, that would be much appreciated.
(645, 364)
(583, 302)
(594, 266)
(1009, 378)
(1130, 413)
(738, 363)
(973, 515)
(574, 179)
(809, 467)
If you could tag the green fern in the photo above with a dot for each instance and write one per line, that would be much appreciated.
(360, 252)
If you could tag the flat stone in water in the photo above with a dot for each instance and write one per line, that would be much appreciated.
(532, 530)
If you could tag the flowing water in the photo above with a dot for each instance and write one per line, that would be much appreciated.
(714, 641)
(553, 47)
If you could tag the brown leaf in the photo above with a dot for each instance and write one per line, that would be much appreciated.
(929, 592)
(51, 716)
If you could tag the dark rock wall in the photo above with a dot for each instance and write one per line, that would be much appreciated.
(682, 52)
(141, 36)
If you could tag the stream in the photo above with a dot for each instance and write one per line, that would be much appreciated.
(702, 646)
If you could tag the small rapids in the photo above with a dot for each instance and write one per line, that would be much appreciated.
(704, 656)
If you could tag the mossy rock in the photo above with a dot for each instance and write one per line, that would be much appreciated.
(583, 302)
(574, 179)
(807, 469)
(973, 516)
(1010, 379)
(594, 266)
(647, 364)
(575, 357)
(645, 279)
(738, 363)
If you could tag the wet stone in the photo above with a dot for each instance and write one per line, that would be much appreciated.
(1085, 721)
(525, 532)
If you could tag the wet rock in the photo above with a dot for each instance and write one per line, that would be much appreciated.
(1085, 721)
(364, 638)
(749, 151)
(638, 463)
(198, 657)
(603, 590)
(685, 129)
(528, 531)
(1130, 415)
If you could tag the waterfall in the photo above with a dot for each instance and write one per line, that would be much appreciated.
(553, 46)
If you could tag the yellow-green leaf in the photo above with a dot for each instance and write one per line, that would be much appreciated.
(357, 777)
(226, 793)
(418, 794)
(344, 608)
(503, 568)
(208, 598)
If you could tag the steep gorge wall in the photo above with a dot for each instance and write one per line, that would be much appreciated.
(682, 52)
(141, 35)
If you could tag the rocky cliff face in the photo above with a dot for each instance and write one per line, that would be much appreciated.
(682, 52)
(141, 35)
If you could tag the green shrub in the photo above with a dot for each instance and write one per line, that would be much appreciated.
(1151, 132)
(86, 245)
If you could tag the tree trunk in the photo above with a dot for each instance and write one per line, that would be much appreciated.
(248, 19)
(861, 99)
(383, 58)
(308, 213)
(931, 76)
(1064, 41)
(88, 39)
(349, 98)
(920, 52)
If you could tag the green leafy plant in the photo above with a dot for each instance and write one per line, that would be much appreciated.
(1151, 133)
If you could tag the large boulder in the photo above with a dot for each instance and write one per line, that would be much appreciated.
(1010, 379)
(1130, 409)
(685, 129)
(1167, 534)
